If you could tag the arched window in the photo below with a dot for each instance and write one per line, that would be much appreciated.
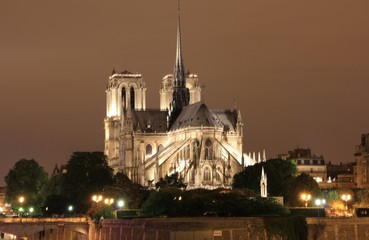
(217, 176)
(160, 147)
(196, 149)
(132, 98)
(124, 97)
(207, 176)
(148, 150)
(208, 150)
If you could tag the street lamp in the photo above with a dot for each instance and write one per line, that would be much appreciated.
(305, 197)
(346, 197)
(70, 208)
(109, 201)
(21, 200)
(319, 202)
(97, 198)
(120, 203)
(31, 209)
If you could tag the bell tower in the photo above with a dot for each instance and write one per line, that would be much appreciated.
(125, 91)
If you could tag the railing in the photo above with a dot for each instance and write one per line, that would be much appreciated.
(44, 220)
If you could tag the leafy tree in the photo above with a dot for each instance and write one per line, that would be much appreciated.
(279, 172)
(53, 186)
(174, 202)
(133, 194)
(174, 180)
(26, 179)
(87, 173)
(302, 183)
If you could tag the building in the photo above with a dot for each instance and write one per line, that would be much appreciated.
(361, 169)
(203, 145)
(307, 163)
(339, 176)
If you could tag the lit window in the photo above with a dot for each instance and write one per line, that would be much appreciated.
(148, 150)
(207, 174)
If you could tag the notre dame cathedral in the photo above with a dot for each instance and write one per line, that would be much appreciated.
(203, 145)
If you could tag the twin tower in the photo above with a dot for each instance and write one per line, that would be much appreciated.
(204, 146)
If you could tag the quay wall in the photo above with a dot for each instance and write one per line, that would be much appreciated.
(248, 228)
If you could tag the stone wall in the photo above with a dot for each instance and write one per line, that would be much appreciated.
(223, 228)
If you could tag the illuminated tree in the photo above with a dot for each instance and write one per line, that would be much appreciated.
(26, 178)
(86, 173)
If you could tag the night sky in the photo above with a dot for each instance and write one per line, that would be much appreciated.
(299, 70)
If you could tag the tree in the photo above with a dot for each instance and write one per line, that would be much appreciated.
(302, 184)
(26, 179)
(173, 202)
(174, 180)
(279, 172)
(87, 173)
(132, 193)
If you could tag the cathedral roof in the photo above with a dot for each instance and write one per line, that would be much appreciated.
(198, 114)
(150, 120)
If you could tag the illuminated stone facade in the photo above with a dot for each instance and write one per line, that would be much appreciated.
(203, 145)
(307, 163)
(361, 169)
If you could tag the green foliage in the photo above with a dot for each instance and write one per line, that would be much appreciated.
(56, 204)
(132, 194)
(331, 196)
(103, 212)
(302, 184)
(282, 180)
(87, 173)
(26, 178)
(52, 187)
(173, 202)
(279, 172)
(171, 181)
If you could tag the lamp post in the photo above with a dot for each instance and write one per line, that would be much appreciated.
(21, 200)
(346, 198)
(120, 204)
(97, 198)
(305, 197)
(109, 201)
(319, 202)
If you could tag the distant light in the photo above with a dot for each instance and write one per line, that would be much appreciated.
(120, 203)
(70, 208)
(21, 209)
(31, 209)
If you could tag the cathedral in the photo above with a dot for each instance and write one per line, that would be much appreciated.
(204, 146)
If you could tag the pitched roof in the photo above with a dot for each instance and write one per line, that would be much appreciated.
(198, 114)
(151, 120)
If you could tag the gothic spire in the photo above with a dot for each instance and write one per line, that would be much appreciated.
(181, 94)
(179, 71)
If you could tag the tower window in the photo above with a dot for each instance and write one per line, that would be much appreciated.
(148, 150)
(132, 98)
(124, 97)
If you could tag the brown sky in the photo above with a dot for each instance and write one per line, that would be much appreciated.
(299, 70)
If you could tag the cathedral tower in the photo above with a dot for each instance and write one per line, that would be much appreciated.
(125, 91)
